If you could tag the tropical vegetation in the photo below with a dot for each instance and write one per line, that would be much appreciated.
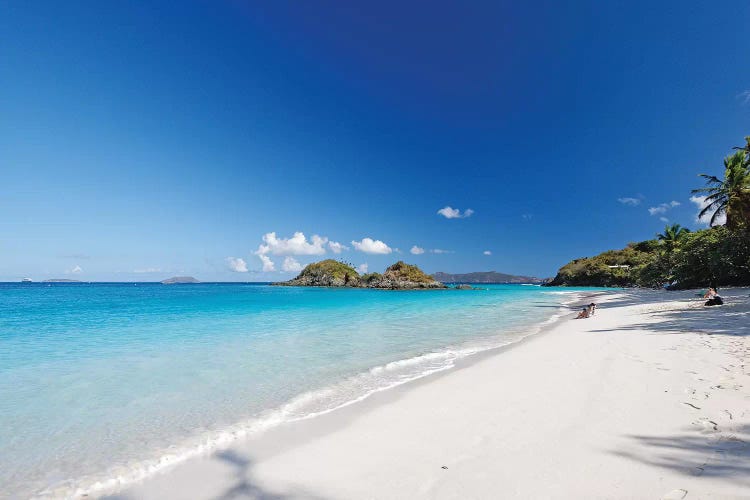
(677, 257)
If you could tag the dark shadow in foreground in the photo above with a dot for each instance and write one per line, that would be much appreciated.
(723, 454)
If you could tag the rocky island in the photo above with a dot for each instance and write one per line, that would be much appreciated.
(332, 273)
(177, 280)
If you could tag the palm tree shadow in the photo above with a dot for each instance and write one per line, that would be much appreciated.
(244, 488)
(725, 455)
(731, 319)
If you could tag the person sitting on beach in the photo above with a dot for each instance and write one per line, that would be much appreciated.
(583, 314)
(714, 299)
(592, 309)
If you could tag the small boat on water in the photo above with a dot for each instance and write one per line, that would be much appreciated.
(26, 280)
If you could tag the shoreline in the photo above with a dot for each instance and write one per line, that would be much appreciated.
(195, 448)
(537, 438)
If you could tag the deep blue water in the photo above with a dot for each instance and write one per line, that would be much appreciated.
(107, 380)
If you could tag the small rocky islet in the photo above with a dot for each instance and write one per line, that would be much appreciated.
(332, 273)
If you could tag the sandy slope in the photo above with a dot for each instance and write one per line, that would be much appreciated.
(648, 399)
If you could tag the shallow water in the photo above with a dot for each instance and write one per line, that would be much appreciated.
(108, 382)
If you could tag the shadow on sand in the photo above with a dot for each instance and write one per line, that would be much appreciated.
(242, 487)
(725, 455)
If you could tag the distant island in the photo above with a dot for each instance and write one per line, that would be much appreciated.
(179, 280)
(332, 273)
(485, 277)
(61, 280)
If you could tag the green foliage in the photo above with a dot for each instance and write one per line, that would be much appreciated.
(330, 267)
(611, 268)
(371, 278)
(402, 271)
(714, 257)
(711, 257)
(729, 196)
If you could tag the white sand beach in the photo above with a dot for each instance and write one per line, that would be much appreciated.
(650, 398)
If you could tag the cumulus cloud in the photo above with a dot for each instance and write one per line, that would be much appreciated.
(633, 202)
(454, 213)
(701, 203)
(291, 264)
(368, 245)
(487, 252)
(296, 245)
(337, 247)
(75, 270)
(268, 264)
(362, 268)
(237, 264)
(415, 250)
(663, 207)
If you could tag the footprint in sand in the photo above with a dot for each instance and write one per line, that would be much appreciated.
(706, 425)
(675, 495)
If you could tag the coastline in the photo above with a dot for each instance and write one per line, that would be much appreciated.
(605, 397)
(303, 407)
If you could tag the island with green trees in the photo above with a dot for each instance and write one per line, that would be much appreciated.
(679, 258)
(333, 273)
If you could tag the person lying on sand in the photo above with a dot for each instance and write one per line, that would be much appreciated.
(583, 314)
(714, 299)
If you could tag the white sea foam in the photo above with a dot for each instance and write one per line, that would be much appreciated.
(305, 406)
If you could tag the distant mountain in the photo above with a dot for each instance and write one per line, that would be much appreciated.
(61, 280)
(177, 280)
(484, 277)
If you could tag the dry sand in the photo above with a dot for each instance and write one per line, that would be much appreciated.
(650, 398)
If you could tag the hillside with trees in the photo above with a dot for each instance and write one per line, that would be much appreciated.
(678, 257)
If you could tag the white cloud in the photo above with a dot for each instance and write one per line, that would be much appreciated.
(440, 250)
(290, 264)
(454, 213)
(487, 252)
(237, 264)
(147, 270)
(663, 219)
(268, 264)
(527, 216)
(368, 245)
(337, 247)
(745, 96)
(629, 201)
(362, 268)
(701, 202)
(415, 250)
(296, 245)
(657, 210)
(663, 207)
(76, 270)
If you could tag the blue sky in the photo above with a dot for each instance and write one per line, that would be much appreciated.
(139, 141)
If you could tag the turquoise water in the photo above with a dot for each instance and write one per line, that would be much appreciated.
(101, 383)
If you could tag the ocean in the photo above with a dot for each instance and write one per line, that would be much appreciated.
(104, 383)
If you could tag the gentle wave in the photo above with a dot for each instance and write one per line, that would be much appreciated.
(305, 406)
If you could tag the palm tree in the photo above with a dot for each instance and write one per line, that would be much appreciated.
(730, 196)
(745, 148)
(672, 234)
